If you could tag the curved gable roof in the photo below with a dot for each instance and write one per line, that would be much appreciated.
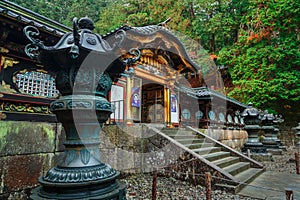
(161, 42)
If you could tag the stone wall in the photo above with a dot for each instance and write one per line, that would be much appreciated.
(122, 147)
(232, 138)
(27, 151)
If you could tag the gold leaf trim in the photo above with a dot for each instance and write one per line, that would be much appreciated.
(6, 88)
(2, 116)
(8, 62)
(3, 50)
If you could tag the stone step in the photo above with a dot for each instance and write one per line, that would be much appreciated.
(181, 136)
(248, 175)
(177, 131)
(224, 162)
(190, 141)
(236, 168)
(227, 187)
(243, 178)
(217, 155)
(207, 150)
(198, 145)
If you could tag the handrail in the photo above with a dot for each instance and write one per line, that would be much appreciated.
(226, 147)
(202, 159)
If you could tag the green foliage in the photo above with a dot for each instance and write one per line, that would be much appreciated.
(64, 11)
(142, 13)
(264, 62)
(258, 40)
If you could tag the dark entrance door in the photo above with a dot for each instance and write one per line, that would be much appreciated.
(152, 103)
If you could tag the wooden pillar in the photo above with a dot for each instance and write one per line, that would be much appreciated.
(208, 185)
(167, 106)
(129, 121)
(207, 108)
(289, 194)
(297, 162)
(154, 184)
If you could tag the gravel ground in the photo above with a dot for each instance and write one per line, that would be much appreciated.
(139, 186)
(283, 163)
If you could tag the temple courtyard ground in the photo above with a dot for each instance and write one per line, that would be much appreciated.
(280, 175)
(272, 185)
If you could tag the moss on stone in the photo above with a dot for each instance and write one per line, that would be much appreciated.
(49, 131)
(18, 137)
(124, 137)
(5, 128)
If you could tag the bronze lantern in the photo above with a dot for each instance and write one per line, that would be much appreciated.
(85, 66)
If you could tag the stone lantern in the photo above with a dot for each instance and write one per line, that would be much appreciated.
(252, 120)
(297, 128)
(278, 119)
(270, 135)
(85, 66)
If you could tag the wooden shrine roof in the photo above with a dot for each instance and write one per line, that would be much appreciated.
(28, 17)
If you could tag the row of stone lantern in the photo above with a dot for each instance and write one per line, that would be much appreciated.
(262, 130)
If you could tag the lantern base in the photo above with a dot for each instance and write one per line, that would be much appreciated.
(254, 147)
(89, 183)
(88, 192)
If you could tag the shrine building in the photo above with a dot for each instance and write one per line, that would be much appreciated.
(166, 86)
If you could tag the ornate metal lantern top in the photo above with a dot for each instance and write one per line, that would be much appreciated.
(266, 116)
(278, 119)
(82, 61)
(80, 41)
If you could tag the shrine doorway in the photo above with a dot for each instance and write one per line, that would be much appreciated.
(153, 103)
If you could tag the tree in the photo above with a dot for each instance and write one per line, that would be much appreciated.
(214, 23)
(265, 61)
(142, 13)
(64, 11)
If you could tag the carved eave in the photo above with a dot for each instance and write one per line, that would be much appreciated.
(158, 79)
(20, 107)
(13, 18)
(25, 16)
(159, 47)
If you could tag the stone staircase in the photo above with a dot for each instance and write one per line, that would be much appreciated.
(241, 169)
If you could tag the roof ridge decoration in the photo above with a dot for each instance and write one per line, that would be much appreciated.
(153, 28)
(141, 29)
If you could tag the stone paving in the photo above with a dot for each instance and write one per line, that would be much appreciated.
(272, 185)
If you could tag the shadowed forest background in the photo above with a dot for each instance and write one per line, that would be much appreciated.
(256, 43)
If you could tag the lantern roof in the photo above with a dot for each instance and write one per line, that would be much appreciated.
(250, 111)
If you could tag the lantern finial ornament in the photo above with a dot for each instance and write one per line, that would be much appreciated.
(86, 23)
